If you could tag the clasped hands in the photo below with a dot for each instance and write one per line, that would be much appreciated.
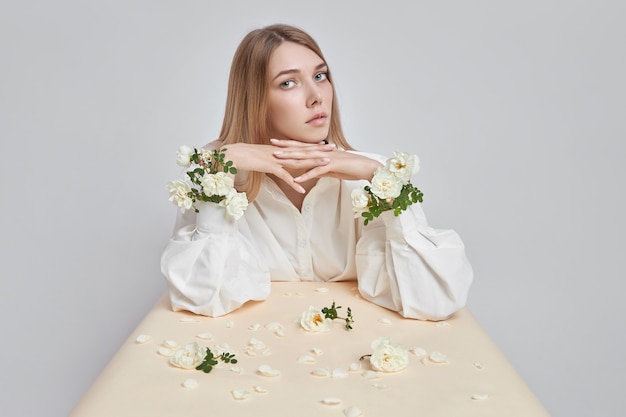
(296, 162)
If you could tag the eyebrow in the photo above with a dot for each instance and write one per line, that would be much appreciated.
(292, 71)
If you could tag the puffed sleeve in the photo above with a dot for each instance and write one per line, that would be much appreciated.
(407, 266)
(210, 266)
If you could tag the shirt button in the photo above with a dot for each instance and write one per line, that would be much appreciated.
(307, 208)
(302, 243)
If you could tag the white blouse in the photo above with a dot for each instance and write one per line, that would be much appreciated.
(214, 264)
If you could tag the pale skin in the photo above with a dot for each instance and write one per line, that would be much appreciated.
(300, 105)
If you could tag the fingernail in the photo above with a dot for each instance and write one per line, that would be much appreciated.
(273, 140)
(325, 160)
(278, 152)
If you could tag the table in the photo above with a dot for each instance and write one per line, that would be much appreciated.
(475, 380)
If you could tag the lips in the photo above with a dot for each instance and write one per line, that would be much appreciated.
(318, 118)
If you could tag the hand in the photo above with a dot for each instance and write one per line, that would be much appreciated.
(340, 164)
(291, 157)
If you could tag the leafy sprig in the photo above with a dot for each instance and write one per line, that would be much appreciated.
(210, 360)
(376, 205)
(331, 313)
(208, 163)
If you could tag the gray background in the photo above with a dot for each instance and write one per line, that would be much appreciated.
(515, 108)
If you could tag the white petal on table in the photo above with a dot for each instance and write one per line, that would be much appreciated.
(267, 370)
(331, 401)
(418, 351)
(322, 290)
(438, 357)
(306, 359)
(479, 397)
(321, 372)
(339, 373)
(190, 383)
(143, 338)
(205, 336)
(352, 411)
(240, 394)
(169, 344)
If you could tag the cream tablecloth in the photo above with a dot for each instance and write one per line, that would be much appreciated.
(476, 380)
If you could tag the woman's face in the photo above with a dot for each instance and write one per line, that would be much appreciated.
(300, 96)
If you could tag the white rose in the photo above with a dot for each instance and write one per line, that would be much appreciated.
(360, 199)
(313, 320)
(235, 203)
(206, 155)
(388, 357)
(216, 184)
(179, 191)
(188, 356)
(385, 184)
(403, 166)
(184, 156)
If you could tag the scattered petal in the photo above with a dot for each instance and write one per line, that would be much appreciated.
(380, 386)
(190, 383)
(352, 411)
(255, 326)
(354, 367)
(274, 326)
(370, 375)
(287, 294)
(266, 352)
(418, 351)
(317, 351)
(250, 352)
(240, 394)
(237, 369)
(331, 401)
(256, 344)
(306, 359)
(384, 321)
(170, 344)
(225, 347)
(321, 372)
(478, 365)
(442, 324)
(299, 294)
(424, 360)
(230, 324)
(339, 373)
(280, 333)
(479, 397)
(205, 336)
(188, 320)
(267, 370)
(163, 351)
(438, 357)
(322, 290)
(259, 389)
(143, 338)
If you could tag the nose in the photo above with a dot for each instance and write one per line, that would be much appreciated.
(315, 97)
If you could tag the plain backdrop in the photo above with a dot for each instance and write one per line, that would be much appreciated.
(516, 109)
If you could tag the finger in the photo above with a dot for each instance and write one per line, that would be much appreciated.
(316, 172)
(304, 163)
(288, 179)
(304, 153)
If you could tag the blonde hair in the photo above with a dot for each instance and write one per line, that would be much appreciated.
(246, 117)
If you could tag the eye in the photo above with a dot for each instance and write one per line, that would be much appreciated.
(287, 84)
(321, 76)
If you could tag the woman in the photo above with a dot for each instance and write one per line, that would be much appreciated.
(282, 131)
